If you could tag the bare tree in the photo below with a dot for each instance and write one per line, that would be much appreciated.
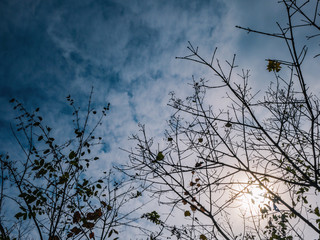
(249, 169)
(49, 193)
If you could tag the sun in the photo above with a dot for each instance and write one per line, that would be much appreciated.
(252, 197)
(258, 195)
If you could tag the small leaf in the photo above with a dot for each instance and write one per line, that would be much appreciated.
(159, 156)
(273, 66)
(76, 217)
(187, 213)
(72, 155)
(88, 225)
(317, 212)
(76, 230)
(19, 215)
(203, 237)
(228, 124)
(193, 208)
(200, 140)
(110, 233)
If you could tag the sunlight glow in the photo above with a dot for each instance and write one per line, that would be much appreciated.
(252, 197)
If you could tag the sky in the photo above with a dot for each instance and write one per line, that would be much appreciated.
(126, 50)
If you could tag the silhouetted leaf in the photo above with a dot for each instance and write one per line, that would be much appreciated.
(72, 155)
(203, 237)
(160, 156)
(187, 213)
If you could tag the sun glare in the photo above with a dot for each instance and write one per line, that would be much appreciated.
(252, 197)
(258, 195)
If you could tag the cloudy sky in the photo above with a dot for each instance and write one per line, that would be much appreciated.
(126, 50)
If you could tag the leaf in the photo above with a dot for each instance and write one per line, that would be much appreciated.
(317, 212)
(69, 235)
(46, 151)
(277, 67)
(110, 233)
(91, 235)
(203, 237)
(153, 217)
(228, 124)
(273, 66)
(91, 216)
(170, 139)
(72, 155)
(76, 230)
(88, 225)
(198, 164)
(54, 238)
(200, 140)
(103, 203)
(76, 217)
(193, 208)
(19, 215)
(187, 213)
(40, 138)
(159, 156)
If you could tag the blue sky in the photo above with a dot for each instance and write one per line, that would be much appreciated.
(126, 50)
